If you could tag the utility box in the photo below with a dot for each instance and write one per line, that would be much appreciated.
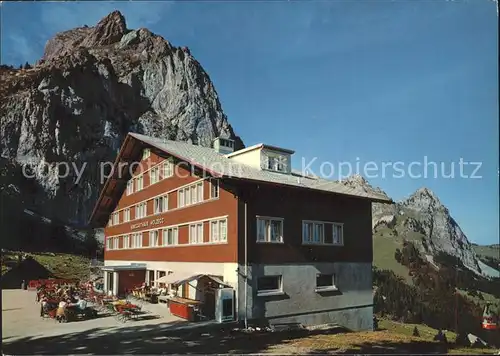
(224, 305)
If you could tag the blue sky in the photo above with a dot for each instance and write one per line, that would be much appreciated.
(380, 81)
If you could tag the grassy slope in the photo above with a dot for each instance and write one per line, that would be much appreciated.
(61, 265)
(393, 337)
(384, 247)
(487, 251)
(385, 243)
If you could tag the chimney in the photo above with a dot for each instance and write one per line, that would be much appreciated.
(224, 146)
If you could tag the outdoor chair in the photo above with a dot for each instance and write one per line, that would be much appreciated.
(121, 313)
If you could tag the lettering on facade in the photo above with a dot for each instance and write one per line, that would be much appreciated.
(157, 221)
(153, 222)
(138, 225)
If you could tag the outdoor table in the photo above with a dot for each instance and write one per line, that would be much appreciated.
(163, 298)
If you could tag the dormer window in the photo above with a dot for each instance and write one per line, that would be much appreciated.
(223, 145)
(226, 143)
(276, 163)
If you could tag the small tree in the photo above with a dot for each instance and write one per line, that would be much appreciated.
(91, 244)
(416, 333)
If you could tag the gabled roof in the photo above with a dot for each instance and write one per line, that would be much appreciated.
(214, 163)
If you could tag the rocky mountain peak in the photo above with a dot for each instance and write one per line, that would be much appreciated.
(425, 192)
(424, 199)
(92, 86)
(107, 31)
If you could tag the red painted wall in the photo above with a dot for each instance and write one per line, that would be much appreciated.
(225, 205)
(129, 279)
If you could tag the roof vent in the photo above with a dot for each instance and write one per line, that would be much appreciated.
(223, 145)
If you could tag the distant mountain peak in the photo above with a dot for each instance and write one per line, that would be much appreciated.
(357, 178)
(425, 192)
(424, 198)
(359, 182)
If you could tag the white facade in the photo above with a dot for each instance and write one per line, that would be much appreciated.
(226, 271)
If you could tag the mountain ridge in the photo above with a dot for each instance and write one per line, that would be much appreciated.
(426, 221)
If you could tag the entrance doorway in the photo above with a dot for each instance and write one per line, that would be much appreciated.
(150, 278)
(111, 282)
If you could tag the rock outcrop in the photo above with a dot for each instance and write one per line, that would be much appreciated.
(73, 108)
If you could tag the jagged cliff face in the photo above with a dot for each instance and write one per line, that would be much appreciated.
(76, 105)
(425, 214)
(423, 219)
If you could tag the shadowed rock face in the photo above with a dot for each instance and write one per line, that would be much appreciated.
(92, 86)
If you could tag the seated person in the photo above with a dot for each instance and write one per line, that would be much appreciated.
(80, 304)
(162, 291)
(43, 305)
(61, 309)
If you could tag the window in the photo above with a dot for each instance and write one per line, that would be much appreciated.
(325, 282)
(281, 164)
(214, 188)
(218, 231)
(170, 236)
(187, 196)
(116, 218)
(126, 241)
(116, 242)
(226, 143)
(338, 234)
(318, 235)
(110, 222)
(109, 243)
(154, 175)
(160, 204)
(270, 163)
(269, 229)
(276, 163)
(168, 169)
(312, 232)
(126, 215)
(154, 238)
(139, 183)
(137, 240)
(194, 194)
(146, 153)
(269, 285)
(196, 233)
(190, 195)
(130, 187)
(181, 198)
(140, 211)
